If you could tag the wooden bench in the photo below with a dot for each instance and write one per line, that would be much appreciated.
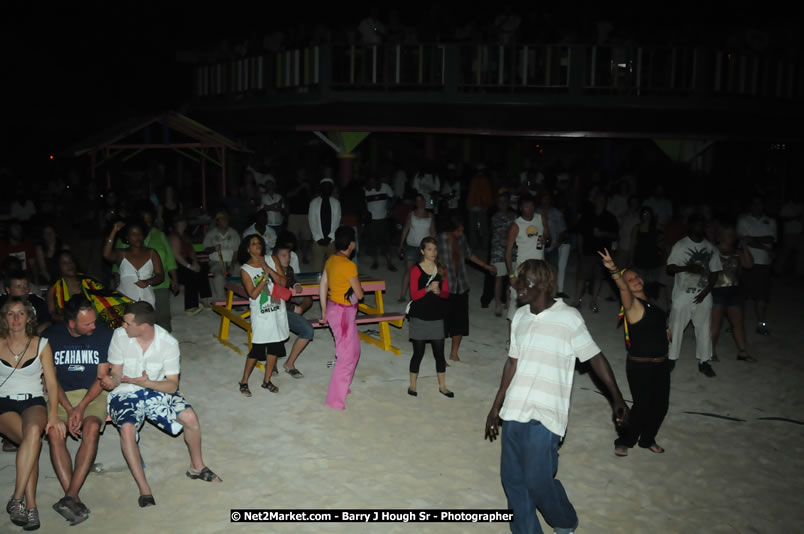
(371, 314)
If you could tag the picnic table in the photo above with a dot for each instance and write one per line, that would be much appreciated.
(236, 296)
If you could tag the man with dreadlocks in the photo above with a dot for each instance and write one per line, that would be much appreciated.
(647, 367)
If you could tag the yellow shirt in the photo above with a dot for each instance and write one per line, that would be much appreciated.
(339, 270)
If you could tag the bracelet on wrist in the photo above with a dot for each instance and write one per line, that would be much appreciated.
(511, 276)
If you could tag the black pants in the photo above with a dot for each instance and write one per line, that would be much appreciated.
(650, 388)
(418, 353)
(195, 284)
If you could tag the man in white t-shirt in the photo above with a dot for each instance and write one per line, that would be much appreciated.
(695, 263)
(760, 231)
(221, 244)
(274, 206)
(377, 232)
(547, 336)
(144, 384)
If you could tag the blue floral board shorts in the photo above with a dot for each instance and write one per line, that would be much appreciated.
(162, 409)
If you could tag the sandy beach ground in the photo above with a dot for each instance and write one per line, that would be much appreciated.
(738, 473)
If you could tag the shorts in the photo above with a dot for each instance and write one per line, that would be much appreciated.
(161, 409)
(756, 282)
(260, 350)
(299, 226)
(299, 326)
(727, 297)
(96, 408)
(457, 320)
(590, 267)
(412, 254)
(19, 406)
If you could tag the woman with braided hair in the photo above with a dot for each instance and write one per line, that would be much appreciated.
(647, 367)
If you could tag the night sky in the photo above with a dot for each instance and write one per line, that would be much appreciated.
(70, 71)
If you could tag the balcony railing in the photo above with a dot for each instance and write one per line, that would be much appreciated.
(454, 68)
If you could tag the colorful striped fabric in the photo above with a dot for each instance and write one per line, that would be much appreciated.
(108, 304)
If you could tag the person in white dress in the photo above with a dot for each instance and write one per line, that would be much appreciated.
(140, 266)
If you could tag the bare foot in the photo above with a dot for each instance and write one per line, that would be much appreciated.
(454, 357)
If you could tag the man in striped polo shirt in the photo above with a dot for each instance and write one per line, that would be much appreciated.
(547, 336)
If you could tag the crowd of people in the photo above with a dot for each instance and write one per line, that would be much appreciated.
(666, 267)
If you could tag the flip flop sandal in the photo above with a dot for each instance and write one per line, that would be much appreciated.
(745, 357)
(656, 449)
(621, 451)
(205, 474)
(69, 509)
(295, 373)
(269, 386)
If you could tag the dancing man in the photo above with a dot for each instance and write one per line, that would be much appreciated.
(534, 399)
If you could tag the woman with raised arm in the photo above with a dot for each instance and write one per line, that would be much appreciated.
(24, 413)
(140, 266)
(647, 367)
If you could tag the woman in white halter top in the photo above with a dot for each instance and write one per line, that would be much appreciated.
(140, 266)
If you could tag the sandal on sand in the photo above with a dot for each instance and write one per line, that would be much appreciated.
(146, 500)
(745, 357)
(244, 390)
(205, 474)
(620, 450)
(295, 373)
(69, 509)
(8, 446)
(269, 386)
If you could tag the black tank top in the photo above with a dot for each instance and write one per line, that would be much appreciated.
(649, 334)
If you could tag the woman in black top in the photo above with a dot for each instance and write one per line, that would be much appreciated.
(429, 290)
(647, 367)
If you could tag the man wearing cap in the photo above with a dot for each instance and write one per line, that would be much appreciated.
(221, 244)
(324, 216)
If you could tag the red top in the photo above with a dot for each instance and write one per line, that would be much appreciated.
(417, 293)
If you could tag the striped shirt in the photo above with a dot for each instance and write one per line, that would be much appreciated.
(545, 347)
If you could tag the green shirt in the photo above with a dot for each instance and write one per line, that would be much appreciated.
(158, 241)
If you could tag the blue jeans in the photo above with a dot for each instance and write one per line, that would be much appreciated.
(528, 468)
(299, 325)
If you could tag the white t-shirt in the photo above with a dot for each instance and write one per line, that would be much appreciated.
(159, 361)
(750, 226)
(261, 179)
(377, 200)
(294, 263)
(426, 184)
(275, 217)
(269, 320)
(228, 241)
(269, 236)
(687, 252)
(545, 347)
(527, 239)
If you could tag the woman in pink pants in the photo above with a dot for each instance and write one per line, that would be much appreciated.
(339, 291)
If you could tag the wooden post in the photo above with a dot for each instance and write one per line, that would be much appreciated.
(203, 182)
(223, 172)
